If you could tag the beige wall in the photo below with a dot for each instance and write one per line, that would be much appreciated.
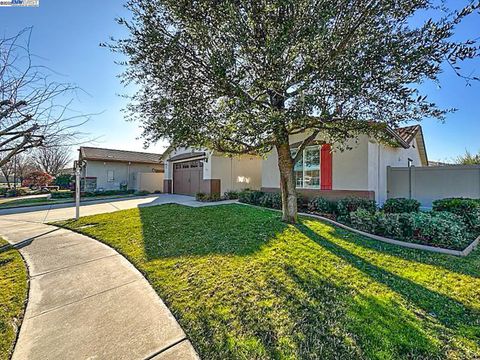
(150, 181)
(123, 173)
(380, 157)
(430, 183)
(349, 168)
(237, 173)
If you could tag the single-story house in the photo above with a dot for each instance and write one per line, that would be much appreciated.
(189, 171)
(361, 171)
(108, 169)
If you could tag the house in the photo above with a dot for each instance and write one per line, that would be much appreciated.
(189, 171)
(361, 171)
(108, 169)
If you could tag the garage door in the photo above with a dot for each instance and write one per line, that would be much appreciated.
(187, 177)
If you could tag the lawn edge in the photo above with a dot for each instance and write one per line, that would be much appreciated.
(7, 247)
(461, 253)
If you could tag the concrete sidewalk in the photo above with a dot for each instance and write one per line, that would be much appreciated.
(86, 301)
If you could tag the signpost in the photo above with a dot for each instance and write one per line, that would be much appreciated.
(77, 167)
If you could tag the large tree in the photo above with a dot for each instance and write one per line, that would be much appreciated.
(243, 76)
(34, 109)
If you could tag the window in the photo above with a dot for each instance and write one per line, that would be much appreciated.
(110, 176)
(307, 168)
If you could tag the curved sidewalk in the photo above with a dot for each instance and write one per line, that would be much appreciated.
(86, 301)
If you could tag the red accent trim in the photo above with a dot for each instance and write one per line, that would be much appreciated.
(326, 167)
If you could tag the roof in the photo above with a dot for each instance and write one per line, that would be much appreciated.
(93, 153)
(407, 134)
(188, 155)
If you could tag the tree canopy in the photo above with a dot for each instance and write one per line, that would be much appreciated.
(242, 76)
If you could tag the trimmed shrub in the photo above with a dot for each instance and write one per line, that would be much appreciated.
(322, 206)
(401, 205)
(3, 191)
(250, 197)
(207, 197)
(271, 200)
(351, 204)
(16, 192)
(141, 193)
(230, 195)
(363, 220)
(441, 229)
(468, 209)
(62, 194)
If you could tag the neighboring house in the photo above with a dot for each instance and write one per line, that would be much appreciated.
(361, 171)
(108, 169)
(189, 171)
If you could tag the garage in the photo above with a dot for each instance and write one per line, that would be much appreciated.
(187, 177)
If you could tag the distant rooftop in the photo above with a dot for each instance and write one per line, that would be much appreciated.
(100, 154)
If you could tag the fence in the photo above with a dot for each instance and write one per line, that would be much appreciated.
(433, 182)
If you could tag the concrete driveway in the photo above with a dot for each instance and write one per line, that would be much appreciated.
(50, 213)
(86, 301)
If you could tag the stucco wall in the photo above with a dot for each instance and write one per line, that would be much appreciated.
(380, 157)
(349, 168)
(237, 173)
(123, 173)
(207, 168)
(150, 181)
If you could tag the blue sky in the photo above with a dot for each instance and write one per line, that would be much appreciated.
(66, 37)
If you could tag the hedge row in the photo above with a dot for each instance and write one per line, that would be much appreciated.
(71, 194)
(267, 199)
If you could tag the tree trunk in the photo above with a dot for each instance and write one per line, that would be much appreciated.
(287, 184)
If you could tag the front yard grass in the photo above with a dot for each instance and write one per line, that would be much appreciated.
(13, 294)
(244, 285)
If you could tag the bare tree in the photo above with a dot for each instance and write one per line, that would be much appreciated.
(8, 170)
(34, 111)
(52, 159)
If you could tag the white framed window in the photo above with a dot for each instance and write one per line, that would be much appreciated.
(307, 168)
(110, 176)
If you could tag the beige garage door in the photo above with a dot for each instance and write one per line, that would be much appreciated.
(187, 177)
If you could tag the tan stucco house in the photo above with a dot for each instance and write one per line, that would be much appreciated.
(189, 171)
(109, 169)
(361, 171)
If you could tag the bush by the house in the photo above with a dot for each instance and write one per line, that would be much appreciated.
(141, 193)
(351, 204)
(230, 195)
(434, 228)
(271, 200)
(468, 209)
(401, 205)
(322, 206)
(3, 191)
(207, 197)
(251, 197)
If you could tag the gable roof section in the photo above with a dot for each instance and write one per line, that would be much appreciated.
(405, 135)
(100, 154)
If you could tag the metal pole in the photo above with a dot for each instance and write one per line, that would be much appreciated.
(77, 192)
(410, 178)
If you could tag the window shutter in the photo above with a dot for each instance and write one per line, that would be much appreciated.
(326, 167)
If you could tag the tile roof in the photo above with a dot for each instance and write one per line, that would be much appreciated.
(407, 133)
(93, 153)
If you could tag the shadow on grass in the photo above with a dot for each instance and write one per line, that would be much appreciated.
(449, 312)
(176, 230)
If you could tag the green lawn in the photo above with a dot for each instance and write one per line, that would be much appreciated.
(244, 285)
(13, 294)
